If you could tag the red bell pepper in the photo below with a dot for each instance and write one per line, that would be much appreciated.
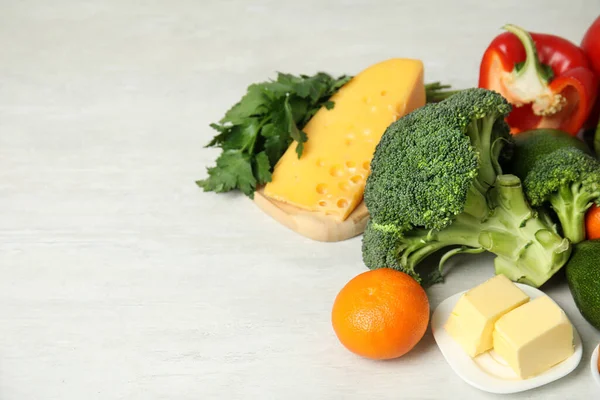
(591, 46)
(548, 80)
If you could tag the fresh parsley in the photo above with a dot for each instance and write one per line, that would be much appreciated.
(258, 129)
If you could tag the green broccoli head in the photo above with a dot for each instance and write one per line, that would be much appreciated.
(433, 186)
(562, 169)
(426, 162)
(569, 180)
(430, 187)
(380, 246)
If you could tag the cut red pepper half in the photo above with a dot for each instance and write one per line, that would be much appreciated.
(548, 80)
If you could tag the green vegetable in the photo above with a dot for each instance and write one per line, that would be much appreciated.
(436, 181)
(583, 275)
(437, 91)
(532, 145)
(257, 130)
(559, 171)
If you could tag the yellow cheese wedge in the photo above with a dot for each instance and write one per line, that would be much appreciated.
(330, 176)
(534, 337)
(472, 320)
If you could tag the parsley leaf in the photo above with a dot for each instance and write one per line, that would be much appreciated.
(253, 103)
(259, 128)
(296, 134)
(233, 171)
(262, 168)
(276, 143)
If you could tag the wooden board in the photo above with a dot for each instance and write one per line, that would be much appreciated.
(312, 224)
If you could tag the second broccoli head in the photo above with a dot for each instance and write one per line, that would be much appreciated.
(558, 170)
(436, 181)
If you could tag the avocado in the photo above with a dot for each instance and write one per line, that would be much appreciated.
(583, 275)
(529, 146)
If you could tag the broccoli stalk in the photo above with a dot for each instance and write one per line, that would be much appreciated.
(571, 202)
(436, 182)
(528, 248)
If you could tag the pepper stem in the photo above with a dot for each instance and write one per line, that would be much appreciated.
(528, 81)
(532, 61)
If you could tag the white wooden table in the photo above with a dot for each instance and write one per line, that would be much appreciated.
(120, 279)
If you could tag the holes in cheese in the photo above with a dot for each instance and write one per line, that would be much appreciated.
(342, 203)
(322, 188)
(336, 170)
(344, 138)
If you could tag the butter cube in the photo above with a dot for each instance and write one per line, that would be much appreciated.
(534, 337)
(471, 323)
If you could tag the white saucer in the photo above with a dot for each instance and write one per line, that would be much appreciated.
(488, 371)
(594, 365)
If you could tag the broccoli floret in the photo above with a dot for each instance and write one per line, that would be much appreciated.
(436, 181)
(569, 180)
